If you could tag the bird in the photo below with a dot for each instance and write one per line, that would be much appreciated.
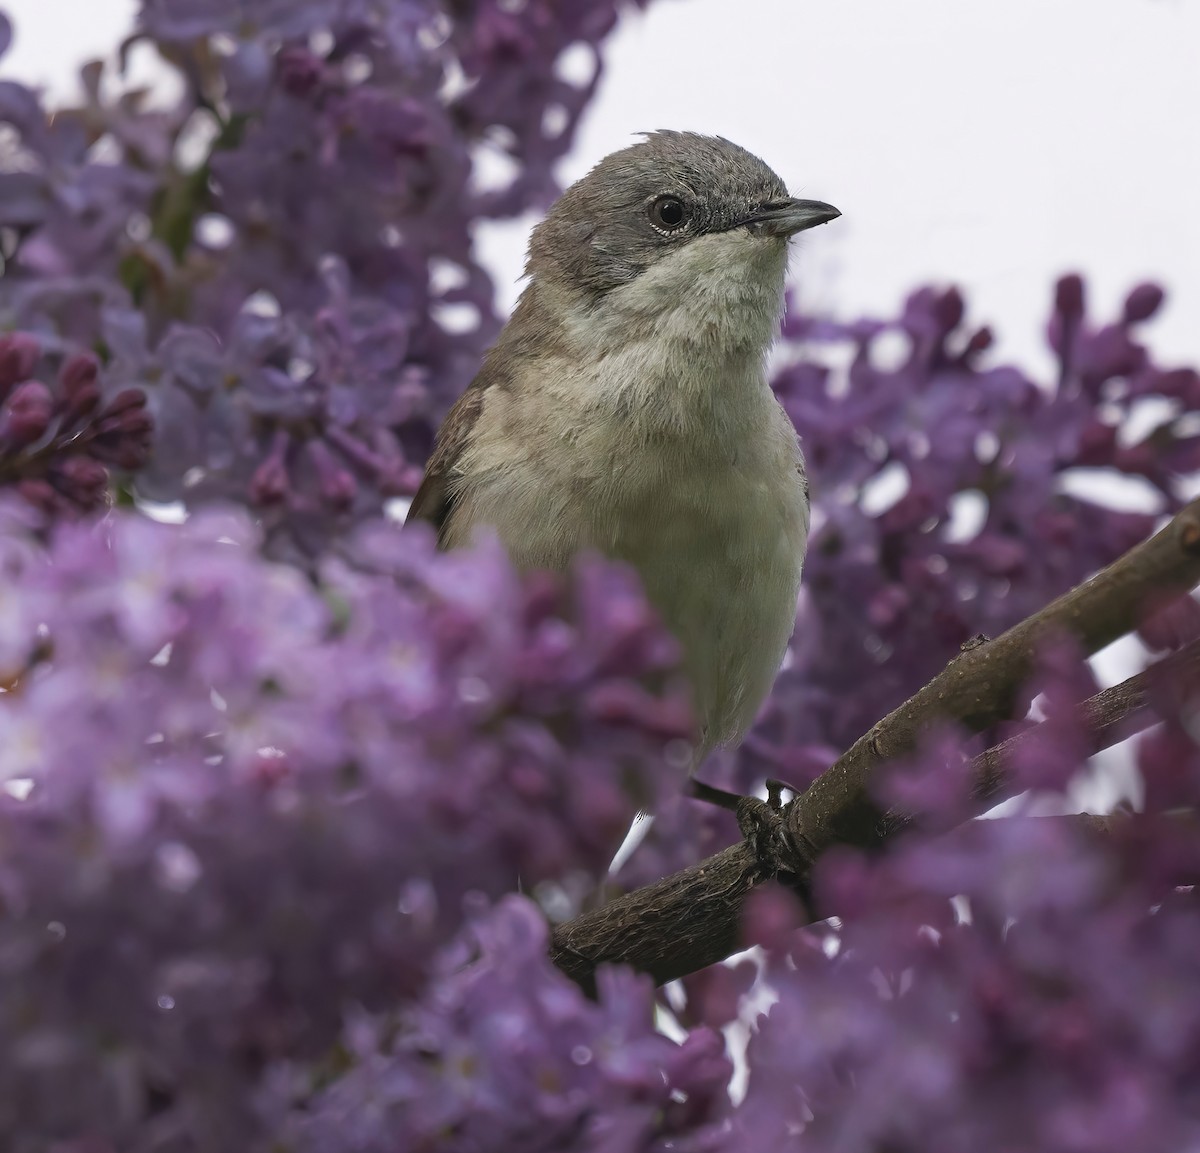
(625, 408)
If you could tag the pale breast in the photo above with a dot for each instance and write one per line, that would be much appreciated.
(716, 527)
(719, 544)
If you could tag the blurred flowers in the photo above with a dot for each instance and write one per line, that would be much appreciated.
(255, 803)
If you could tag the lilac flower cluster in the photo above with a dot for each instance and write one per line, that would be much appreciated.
(509, 1055)
(977, 1041)
(1020, 983)
(282, 256)
(984, 525)
(246, 886)
(251, 807)
(57, 444)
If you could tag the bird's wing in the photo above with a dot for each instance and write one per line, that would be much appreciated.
(436, 498)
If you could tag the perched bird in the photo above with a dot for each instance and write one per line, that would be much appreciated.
(625, 408)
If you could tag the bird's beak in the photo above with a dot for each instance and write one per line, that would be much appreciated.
(785, 218)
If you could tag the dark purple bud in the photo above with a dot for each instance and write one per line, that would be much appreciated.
(949, 309)
(41, 494)
(1181, 383)
(299, 70)
(1109, 353)
(131, 423)
(18, 354)
(1062, 330)
(29, 411)
(981, 339)
(81, 403)
(920, 312)
(337, 484)
(126, 399)
(123, 430)
(269, 484)
(1069, 300)
(1143, 302)
(339, 488)
(127, 455)
(80, 372)
(83, 479)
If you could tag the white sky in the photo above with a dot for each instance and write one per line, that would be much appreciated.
(994, 143)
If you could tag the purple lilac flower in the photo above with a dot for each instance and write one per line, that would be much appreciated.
(1008, 1023)
(58, 443)
(257, 805)
(506, 1054)
(1003, 441)
(284, 257)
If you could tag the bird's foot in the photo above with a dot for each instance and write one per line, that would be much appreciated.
(761, 822)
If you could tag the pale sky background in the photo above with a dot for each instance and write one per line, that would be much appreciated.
(993, 144)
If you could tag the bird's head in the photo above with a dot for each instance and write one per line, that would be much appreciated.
(677, 213)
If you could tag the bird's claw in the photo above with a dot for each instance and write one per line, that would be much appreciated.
(763, 824)
(764, 829)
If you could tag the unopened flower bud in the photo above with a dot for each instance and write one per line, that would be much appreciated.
(18, 355)
(1143, 302)
(29, 411)
(80, 372)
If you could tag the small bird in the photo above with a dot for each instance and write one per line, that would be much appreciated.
(625, 408)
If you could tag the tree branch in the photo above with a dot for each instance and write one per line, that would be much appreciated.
(1110, 716)
(688, 921)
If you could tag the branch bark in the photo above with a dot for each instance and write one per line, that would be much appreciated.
(688, 921)
(1110, 716)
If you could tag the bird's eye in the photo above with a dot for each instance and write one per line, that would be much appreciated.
(667, 213)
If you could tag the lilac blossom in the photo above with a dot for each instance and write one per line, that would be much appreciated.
(284, 254)
(258, 806)
(507, 1054)
(1048, 1006)
(57, 444)
(890, 595)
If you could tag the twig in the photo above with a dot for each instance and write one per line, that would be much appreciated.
(1110, 716)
